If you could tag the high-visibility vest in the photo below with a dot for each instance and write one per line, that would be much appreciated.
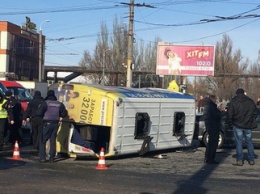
(3, 112)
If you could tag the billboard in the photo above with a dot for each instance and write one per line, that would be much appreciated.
(185, 60)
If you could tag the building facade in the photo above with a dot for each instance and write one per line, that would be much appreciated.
(19, 52)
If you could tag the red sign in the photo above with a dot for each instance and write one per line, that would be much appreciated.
(185, 60)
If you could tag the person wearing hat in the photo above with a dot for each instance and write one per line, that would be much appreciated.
(242, 113)
(30, 115)
(52, 112)
(14, 109)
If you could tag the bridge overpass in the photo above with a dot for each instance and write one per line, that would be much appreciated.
(77, 71)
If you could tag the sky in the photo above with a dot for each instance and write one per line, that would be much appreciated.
(74, 26)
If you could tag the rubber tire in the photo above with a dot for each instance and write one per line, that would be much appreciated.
(220, 142)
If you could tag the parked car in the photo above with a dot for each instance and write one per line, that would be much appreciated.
(3, 89)
(226, 136)
(19, 92)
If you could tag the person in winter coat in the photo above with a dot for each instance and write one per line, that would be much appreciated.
(14, 109)
(212, 118)
(3, 120)
(30, 115)
(242, 113)
(52, 112)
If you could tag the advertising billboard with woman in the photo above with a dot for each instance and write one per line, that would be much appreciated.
(185, 60)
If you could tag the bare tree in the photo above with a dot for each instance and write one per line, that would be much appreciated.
(109, 54)
(86, 61)
(254, 83)
(118, 48)
(145, 60)
(227, 61)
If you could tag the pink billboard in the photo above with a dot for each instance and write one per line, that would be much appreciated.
(185, 60)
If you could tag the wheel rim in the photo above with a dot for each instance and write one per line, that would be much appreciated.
(220, 139)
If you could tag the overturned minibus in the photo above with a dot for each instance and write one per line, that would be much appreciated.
(123, 120)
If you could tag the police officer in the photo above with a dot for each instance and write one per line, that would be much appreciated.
(30, 115)
(52, 112)
(3, 120)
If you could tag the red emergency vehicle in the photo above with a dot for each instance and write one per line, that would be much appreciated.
(19, 92)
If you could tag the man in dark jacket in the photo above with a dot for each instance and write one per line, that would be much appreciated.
(52, 112)
(14, 109)
(212, 118)
(36, 121)
(242, 113)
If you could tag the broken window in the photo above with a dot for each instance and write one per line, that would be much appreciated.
(179, 124)
(141, 125)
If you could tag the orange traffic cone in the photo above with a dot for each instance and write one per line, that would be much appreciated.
(101, 162)
(16, 154)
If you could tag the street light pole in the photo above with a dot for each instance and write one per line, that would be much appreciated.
(103, 66)
(41, 52)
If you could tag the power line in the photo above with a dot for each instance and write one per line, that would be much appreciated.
(203, 21)
(61, 54)
(70, 38)
(60, 10)
(204, 37)
(220, 32)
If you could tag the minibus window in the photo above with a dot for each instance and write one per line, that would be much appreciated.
(141, 125)
(179, 123)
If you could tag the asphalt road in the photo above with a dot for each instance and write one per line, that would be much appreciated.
(181, 171)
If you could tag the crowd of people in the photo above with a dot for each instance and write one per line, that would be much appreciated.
(44, 116)
(243, 115)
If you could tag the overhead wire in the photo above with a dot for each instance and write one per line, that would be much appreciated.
(209, 36)
(59, 10)
(203, 21)
(221, 33)
(144, 17)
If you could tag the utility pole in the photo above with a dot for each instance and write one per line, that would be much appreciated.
(130, 65)
(40, 55)
(103, 66)
(130, 46)
(41, 65)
